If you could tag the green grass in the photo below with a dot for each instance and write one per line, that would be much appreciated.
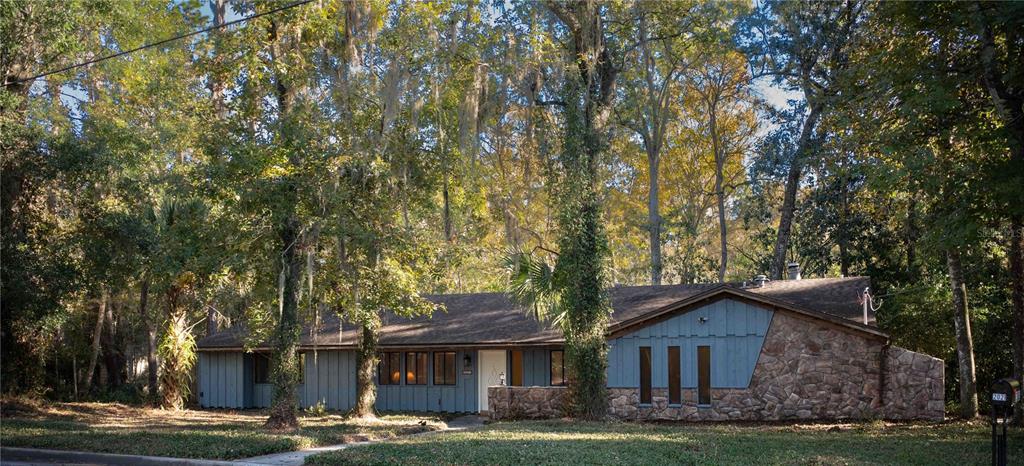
(117, 428)
(566, 443)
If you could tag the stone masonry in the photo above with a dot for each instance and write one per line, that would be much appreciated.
(806, 370)
(526, 402)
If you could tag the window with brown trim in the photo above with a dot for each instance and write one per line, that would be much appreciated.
(415, 368)
(517, 368)
(444, 368)
(557, 367)
(675, 391)
(261, 368)
(389, 369)
(645, 375)
(704, 375)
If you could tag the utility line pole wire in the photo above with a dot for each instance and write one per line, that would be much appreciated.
(161, 42)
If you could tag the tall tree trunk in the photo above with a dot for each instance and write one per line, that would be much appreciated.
(113, 355)
(964, 342)
(654, 218)
(101, 315)
(582, 242)
(1017, 282)
(366, 369)
(719, 189)
(783, 236)
(286, 366)
(286, 337)
(910, 239)
(150, 335)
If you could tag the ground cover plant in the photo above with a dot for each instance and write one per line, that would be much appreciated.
(567, 443)
(209, 434)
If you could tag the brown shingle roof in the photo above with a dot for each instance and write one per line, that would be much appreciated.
(491, 319)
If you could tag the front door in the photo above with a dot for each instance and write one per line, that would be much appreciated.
(492, 365)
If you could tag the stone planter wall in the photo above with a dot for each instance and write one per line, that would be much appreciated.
(914, 386)
(806, 370)
(526, 402)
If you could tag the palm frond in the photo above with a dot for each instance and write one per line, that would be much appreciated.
(531, 285)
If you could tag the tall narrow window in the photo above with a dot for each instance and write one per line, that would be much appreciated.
(557, 367)
(261, 368)
(704, 375)
(517, 368)
(675, 392)
(389, 369)
(302, 368)
(415, 368)
(645, 375)
(444, 368)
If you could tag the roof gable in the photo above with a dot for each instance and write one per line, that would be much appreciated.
(721, 292)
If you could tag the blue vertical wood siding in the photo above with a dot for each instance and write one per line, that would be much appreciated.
(734, 330)
(220, 380)
(461, 397)
(330, 378)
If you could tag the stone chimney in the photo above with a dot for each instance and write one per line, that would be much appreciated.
(794, 270)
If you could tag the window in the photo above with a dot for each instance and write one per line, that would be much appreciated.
(675, 392)
(302, 367)
(645, 375)
(261, 368)
(444, 368)
(389, 369)
(704, 375)
(557, 367)
(517, 368)
(415, 368)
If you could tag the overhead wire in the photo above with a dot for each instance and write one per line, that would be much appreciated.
(158, 43)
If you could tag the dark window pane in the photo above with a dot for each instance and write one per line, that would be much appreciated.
(410, 368)
(389, 369)
(438, 368)
(421, 368)
(415, 368)
(675, 393)
(395, 368)
(645, 374)
(302, 367)
(449, 368)
(517, 368)
(557, 367)
(261, 368)
(704, 375)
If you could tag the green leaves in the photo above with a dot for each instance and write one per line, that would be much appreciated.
(531, 284)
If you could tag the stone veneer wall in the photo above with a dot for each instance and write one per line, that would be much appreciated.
(526, 402)
(806, 370)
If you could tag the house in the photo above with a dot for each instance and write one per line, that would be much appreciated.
(794, 349)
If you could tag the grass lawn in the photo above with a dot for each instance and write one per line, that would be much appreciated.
(562, 442)
(219, 434)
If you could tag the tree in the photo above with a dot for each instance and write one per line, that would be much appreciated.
(721, 85)
(806, 47)
(579, 269)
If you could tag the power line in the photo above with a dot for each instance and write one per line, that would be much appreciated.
(161, 42)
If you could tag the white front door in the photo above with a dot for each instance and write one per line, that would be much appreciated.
(492, 365)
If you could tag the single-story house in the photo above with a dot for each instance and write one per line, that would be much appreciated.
(793, 349)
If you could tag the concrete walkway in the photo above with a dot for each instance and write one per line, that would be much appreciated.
(297, 458)
(36, 456)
